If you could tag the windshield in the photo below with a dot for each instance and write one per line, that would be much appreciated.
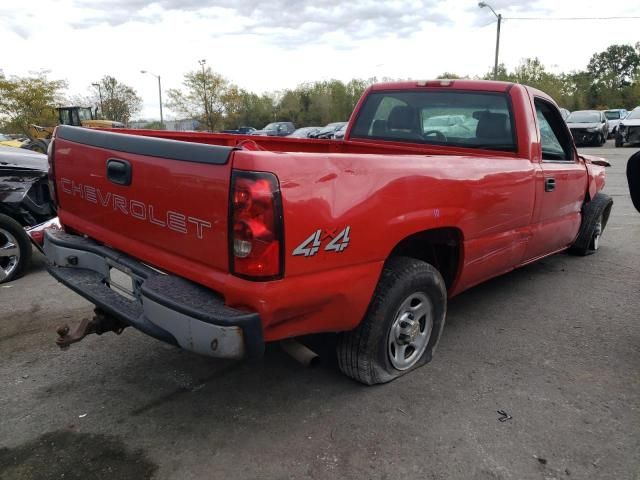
(455, 118)
(634, 115)
(332, 127)
(612, 114)
(271, 126)
(584, 117)
(85, 114)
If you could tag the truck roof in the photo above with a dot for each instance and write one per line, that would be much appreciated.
(484, 85)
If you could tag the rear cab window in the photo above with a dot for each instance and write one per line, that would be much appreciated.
(482, 120)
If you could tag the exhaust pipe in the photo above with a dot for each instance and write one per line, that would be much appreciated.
(300, 352)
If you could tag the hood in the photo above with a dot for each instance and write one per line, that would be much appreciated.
(21, 158)
(583, 125)
(631, 123)
(19, 170)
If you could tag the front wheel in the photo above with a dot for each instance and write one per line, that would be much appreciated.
(595, 215)
(401, 327)
(15, 249)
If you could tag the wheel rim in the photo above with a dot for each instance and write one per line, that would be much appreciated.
(410, 332)
(595, 241)
(9, 254)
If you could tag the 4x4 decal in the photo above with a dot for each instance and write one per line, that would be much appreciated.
(313, 243)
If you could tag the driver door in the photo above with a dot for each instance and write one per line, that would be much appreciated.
(561, 185)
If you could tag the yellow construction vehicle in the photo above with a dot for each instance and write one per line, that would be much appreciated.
(77, 116)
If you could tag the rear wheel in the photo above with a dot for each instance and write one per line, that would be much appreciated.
(401, 327)
(595, 215)
(15, 249)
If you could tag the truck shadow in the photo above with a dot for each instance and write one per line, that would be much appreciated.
(136, 379)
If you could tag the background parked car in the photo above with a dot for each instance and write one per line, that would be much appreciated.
(614, 117)
(24, 202)
(339, 135)
(240, 131)
(277, 129)
(588, 127)
(305, 132)
(328, 130)
(629, 129)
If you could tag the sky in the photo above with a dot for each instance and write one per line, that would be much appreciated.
(264, 46)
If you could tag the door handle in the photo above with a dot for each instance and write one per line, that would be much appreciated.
(119, 171)
(549, 184)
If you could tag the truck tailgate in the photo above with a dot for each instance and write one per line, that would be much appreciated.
(163, 201)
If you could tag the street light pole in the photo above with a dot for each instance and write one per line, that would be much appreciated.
(204, 85)
(499, 17)
(159, 94)
(99, 93)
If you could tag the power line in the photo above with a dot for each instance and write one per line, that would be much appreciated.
(570, 18)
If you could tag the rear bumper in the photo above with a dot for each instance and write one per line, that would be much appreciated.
(166, 307)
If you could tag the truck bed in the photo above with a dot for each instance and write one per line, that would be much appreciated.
(302, 145)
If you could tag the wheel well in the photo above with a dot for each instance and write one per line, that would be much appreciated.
(441, 247)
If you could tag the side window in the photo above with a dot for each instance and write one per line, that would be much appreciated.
(554, 138)
(65, 117)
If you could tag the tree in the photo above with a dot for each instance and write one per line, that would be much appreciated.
(503, 75)
(29, 100)
(248, 109)
(204, 97)
(618, 66)
(449, 76)
(119, 101)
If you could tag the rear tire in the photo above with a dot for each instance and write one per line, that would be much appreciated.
(15, 249)
(402, 325)
(595, 215)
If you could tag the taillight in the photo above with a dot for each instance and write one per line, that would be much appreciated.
(51, 173)
(255, 226)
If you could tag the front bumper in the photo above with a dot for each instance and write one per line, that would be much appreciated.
(166, 307)
(630, 134)
(582, 137)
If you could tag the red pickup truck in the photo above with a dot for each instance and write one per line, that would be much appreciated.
(220, 243)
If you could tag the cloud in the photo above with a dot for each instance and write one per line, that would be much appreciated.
(21, 30)
(286, 23)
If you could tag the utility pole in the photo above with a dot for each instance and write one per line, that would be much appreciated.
(99, 93)
(499, 17)
(206, 103)
(159, 94)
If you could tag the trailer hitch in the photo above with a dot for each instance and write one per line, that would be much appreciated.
(99, 324)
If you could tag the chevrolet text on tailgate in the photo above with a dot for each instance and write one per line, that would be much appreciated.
(219, 243)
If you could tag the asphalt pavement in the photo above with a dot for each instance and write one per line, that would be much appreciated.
(555, 345)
